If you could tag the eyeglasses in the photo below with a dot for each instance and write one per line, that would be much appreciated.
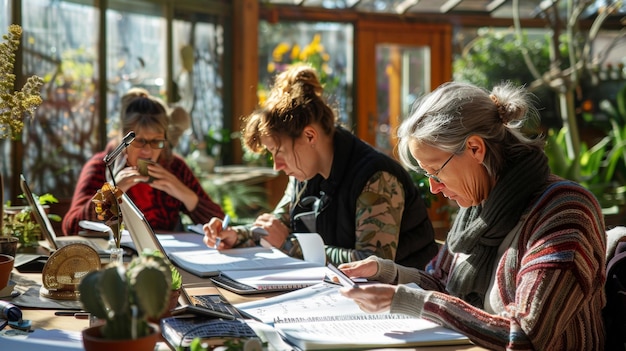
(434, 175)
(155, 144)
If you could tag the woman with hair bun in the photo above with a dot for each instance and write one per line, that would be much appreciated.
(523, 267)
(167, 188)
(359, 200)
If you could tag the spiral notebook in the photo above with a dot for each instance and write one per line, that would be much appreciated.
(246, 282)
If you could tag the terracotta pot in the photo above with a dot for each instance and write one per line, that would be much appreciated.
(93, 341)
(6, 266)
(8, 245)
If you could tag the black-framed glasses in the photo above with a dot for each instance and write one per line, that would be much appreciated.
(154, 144)
(434, 176)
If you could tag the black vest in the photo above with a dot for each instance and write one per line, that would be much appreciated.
(335, 198)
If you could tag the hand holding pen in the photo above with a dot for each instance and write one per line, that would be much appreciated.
(225, 224)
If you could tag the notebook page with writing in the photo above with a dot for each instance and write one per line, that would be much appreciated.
(373, 331)
(322, 299)
(319, 317)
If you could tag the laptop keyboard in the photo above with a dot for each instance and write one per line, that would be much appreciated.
(215, 302)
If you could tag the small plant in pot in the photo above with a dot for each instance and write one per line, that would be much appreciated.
(177, 281)
(126, 299)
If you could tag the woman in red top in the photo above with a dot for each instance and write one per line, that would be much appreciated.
(170, 186)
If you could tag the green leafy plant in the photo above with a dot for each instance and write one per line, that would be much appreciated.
(494, 55)
(238, 200)
(21, 224)
(422, 183)
(595, 167)
(215, 139)
(177, 279)
(126, 299)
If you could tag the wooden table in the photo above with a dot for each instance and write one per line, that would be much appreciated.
(46, 319)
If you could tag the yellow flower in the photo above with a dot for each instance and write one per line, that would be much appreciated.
(295, 52)
(280, 50)
(261, 96)
(271, 67)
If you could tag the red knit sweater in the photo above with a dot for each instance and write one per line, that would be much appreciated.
(160, 209)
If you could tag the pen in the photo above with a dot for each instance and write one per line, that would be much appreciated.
(78, 315)
(225, 223)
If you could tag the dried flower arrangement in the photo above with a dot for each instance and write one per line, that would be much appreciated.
(15, 106)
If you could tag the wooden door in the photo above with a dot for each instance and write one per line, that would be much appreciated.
(395, 63)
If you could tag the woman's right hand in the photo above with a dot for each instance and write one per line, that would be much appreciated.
(360, 269)
(213, 230)
(128, 177)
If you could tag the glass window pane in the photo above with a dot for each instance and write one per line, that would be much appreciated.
(326, 46)
(198, 76)
(59, 44)
(136, 50)
(5, 14)
(403, 74)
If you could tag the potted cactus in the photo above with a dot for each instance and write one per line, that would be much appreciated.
(126, 299)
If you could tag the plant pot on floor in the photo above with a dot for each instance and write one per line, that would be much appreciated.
(93, 341)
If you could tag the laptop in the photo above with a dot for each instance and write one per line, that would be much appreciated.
(51, 241)
(137, 225)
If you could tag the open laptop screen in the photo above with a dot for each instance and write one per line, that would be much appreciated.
(40, 214)
(138, 227)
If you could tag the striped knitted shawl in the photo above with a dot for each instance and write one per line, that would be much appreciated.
(478, 231)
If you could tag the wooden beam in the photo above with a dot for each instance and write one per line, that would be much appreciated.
(405, 5)
(449, 6)
(494, 5)
(473, 20)
(245, 66)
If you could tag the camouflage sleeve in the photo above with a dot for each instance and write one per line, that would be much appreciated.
(378, 216)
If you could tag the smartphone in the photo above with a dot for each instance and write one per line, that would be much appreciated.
(200, 311)
(342, 277)
(259, 231)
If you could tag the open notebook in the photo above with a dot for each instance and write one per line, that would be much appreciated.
(320, 318)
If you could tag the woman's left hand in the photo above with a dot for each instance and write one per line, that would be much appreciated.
(277, 231)
(371, 298)
(162, 179)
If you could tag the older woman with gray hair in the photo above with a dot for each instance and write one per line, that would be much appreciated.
(523, 267)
